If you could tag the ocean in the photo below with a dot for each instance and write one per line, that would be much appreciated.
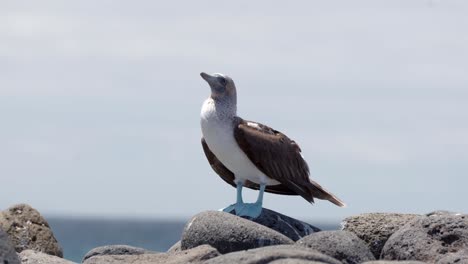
(78, 236)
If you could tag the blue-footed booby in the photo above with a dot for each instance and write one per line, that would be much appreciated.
(249, 154)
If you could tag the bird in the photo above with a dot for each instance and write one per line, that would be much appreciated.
(252, 155)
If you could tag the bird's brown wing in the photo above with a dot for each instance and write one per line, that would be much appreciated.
(228, 176)
(279, 158)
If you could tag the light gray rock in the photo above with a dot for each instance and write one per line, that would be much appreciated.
(175, 248)
(274, 254)
(33, 257)
(290, 227)
(460, 257)
(194, 255)
(228, 233)
(116, 250)
(394, 262)
(376, 228)
(428, 239)
(7, 251)
(29, 230)
(342, 245)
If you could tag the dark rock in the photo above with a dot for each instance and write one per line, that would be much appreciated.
(194, 255)
(7, 251)
(228, 233)
(275, 254)
(175, 248)
(33, 257)
(116, 250)
(290, 227)
(29, 230)
(460, 257)
(342, 245)
(376, 228)
(428, 238)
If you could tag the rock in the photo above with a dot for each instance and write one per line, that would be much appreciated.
(460, 257)
(228, 233)
(33, 257)
(175, 248)
(7, 251)
(394, 262)
(442, 212)
(274, 254)
(376, 228)
(428, 238)
(116, 250)
(342, 245)
(194, 255)
(290, 227)
(29, 230)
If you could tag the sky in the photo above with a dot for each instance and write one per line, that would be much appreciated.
(100, 102)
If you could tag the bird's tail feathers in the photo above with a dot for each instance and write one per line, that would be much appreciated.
(319, 192)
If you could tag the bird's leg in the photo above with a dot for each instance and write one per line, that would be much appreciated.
(239, 202)
(253, 210)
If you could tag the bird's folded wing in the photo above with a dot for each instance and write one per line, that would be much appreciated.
(276, 155)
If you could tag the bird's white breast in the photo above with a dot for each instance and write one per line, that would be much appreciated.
(218, 132)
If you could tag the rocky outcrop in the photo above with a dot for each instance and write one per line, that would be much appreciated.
(27, 229)
(7, 251)
(341, 245)
(116, 250)
(376, 228)
(195, 255)
(428, 238)
(228, 233)
(288, 226)
(33, 257)
(275, 255)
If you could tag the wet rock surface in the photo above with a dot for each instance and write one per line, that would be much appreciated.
(341, 245)
(376, 228)
(288, 226)
(228, 233)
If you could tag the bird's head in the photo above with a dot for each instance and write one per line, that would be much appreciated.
(222, 86)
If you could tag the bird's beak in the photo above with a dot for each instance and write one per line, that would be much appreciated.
(208, 78)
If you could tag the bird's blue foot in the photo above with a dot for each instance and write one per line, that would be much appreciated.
(251, 210)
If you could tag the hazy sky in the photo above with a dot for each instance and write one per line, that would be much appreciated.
(100, 102)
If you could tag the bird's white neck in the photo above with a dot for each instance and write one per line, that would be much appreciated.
(223, 110)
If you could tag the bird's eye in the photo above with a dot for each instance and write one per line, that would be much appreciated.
(223, 81)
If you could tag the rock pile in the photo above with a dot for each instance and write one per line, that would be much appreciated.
(215, 237)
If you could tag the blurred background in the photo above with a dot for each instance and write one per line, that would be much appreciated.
(100, 104)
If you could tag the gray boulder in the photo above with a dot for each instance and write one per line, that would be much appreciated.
(33, 257)
(460, 257)
(290, 227)
(7, 251)
(283, 254)
(394, 262)
(376, 228)
(175, 248)
(428, 238)
(228, 233)
(116, 250)
(29, 230)
(194, 255)
(342, 245)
